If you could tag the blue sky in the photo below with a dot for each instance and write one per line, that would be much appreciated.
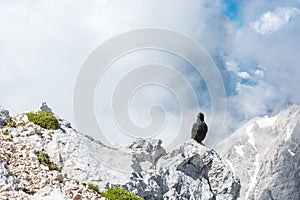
(253, 43)
(232, 10)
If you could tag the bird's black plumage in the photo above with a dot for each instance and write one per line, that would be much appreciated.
(199, 129)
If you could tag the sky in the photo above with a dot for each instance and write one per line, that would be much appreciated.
(254, 44)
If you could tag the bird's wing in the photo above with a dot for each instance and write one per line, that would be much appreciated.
(194, 130)
(202, 130)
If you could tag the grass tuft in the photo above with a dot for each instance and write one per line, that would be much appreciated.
(11, 123)
(93, 187)
(119, 193)
(44, 119)
(22, 124)
(45, 160)
(6, 133)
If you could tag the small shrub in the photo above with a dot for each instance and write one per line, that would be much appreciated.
(53, 166)
(119, 193)
(93, 187)
(22, 124)
(45, 160)
(6, 133)
(11, 123)
(44, 119)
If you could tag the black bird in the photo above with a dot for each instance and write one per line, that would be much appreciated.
(199, 129)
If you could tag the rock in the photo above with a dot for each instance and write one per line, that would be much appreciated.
(30, 131)
(145, 168)
(7, 180)
(43, 167)
(191, 171)
(77, 196)
(33, 157)
(57, 176)
(20, 118)
(44, 107)
(146, 153)
(71, 186)
(64, 123)
(48, 193)
(4, 116)
(3, 194)
(23, 177)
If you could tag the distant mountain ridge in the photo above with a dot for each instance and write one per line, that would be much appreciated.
(265, 154)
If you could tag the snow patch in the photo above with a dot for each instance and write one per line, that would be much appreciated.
(230, 165)
(254, 177)
(292, 153)
(289, 132)
(250, 135)
(268, 121)
(239, 150)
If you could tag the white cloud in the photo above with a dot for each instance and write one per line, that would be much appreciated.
(244, 75)
(44, 43)
(259, 73)
(273, 62)
(274, 20)
(231, 65)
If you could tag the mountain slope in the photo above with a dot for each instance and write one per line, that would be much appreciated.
(190, 171)
(265, 154)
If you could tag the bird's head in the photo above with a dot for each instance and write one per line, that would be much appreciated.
(201, 116)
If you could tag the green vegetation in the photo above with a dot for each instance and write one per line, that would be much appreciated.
(22, 124)
(45, 160)
(11, 123)
(6, 133)
(93, 187)
(119, 193)
(44, 119)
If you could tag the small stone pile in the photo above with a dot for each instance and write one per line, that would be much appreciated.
(21, 174)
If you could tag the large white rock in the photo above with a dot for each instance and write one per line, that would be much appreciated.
(48, 193)
(144, 167)
(191, 171)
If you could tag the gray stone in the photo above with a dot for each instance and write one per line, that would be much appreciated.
(4, 116)
(45, 107)
(7, 180)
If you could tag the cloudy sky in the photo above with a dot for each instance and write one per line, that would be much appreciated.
(255, 45)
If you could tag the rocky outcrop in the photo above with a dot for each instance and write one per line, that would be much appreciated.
(4, 116)
(21, 174)
(265, 155)
(144, 167)
(190, 171)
